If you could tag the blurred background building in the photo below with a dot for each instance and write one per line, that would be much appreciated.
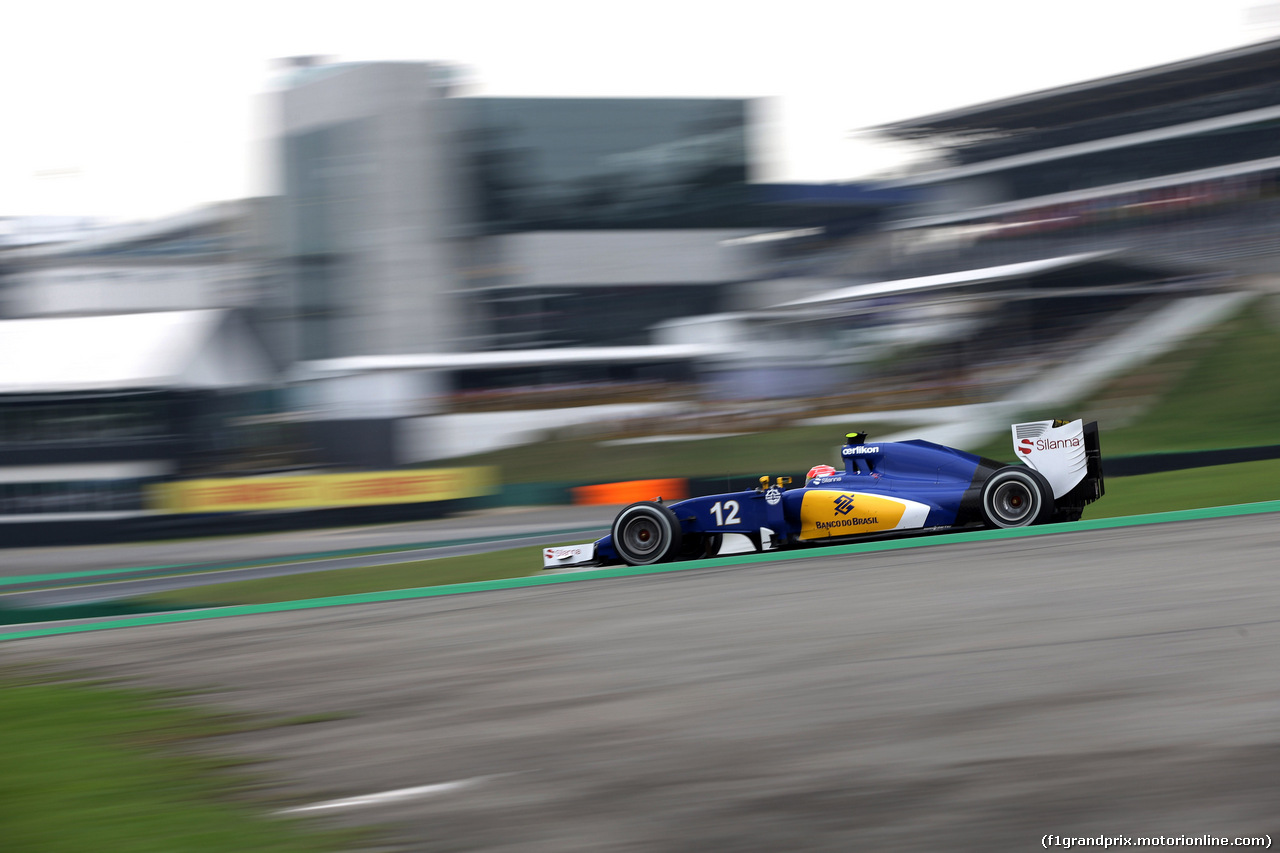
(1179, 161)
(94, 408)
(371, 210)
(420, 223)
(136, 353)
(1046, 225)
(443, 274)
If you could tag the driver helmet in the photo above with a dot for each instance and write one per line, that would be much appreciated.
(819, 471)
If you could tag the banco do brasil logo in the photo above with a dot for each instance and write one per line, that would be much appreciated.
(844, 505)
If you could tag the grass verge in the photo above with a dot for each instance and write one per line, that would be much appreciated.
(59, 579)
(1219, 485)
(93, 610)
(90, 767)
(1216, 391)
(514, 563)
(1222, 392)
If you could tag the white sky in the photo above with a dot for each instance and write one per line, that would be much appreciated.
(135, 109)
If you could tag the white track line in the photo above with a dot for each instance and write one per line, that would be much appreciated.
(388, 796)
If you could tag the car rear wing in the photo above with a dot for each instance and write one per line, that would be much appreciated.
(1067, 453)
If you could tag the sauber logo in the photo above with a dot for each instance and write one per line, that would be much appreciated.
(1027, 445)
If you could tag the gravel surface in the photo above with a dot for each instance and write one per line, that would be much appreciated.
(971, 697)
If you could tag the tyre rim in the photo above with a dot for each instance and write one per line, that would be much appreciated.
(1013, 502)
(641, 536)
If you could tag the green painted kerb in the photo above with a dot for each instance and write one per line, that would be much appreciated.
(51, 629)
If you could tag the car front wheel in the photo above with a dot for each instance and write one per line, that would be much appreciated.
(646, 533)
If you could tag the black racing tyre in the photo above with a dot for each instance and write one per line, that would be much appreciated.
(1015, 497)
(646, 533)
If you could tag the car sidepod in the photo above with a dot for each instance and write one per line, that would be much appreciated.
(830, 513)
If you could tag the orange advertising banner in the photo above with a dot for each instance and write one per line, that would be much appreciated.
(631, 491)
(315, 491)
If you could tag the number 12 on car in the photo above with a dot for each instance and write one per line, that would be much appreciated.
(726, 514)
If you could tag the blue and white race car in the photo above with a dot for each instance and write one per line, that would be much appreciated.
(887, 489)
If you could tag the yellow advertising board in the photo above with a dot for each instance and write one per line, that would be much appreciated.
(825, 514)
(316, 491)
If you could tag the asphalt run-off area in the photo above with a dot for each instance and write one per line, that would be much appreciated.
(966, 691)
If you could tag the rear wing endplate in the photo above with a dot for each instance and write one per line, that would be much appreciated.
(1065, 452)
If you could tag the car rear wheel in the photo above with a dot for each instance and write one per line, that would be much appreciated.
(646, 533)
(1015, 497)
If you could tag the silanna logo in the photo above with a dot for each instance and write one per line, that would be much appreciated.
(1027, 445)
(844, 505)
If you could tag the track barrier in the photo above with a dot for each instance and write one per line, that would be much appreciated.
(631, 491)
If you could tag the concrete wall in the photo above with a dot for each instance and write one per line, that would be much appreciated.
(627, 257)
(382, 394)
(396, 286)
(125, 288)
(447, 436)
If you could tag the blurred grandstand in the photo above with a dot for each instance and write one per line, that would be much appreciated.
(1179, 162)
(444, 275)
(1168, 173)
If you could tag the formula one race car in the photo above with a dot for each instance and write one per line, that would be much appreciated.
(886, 489)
